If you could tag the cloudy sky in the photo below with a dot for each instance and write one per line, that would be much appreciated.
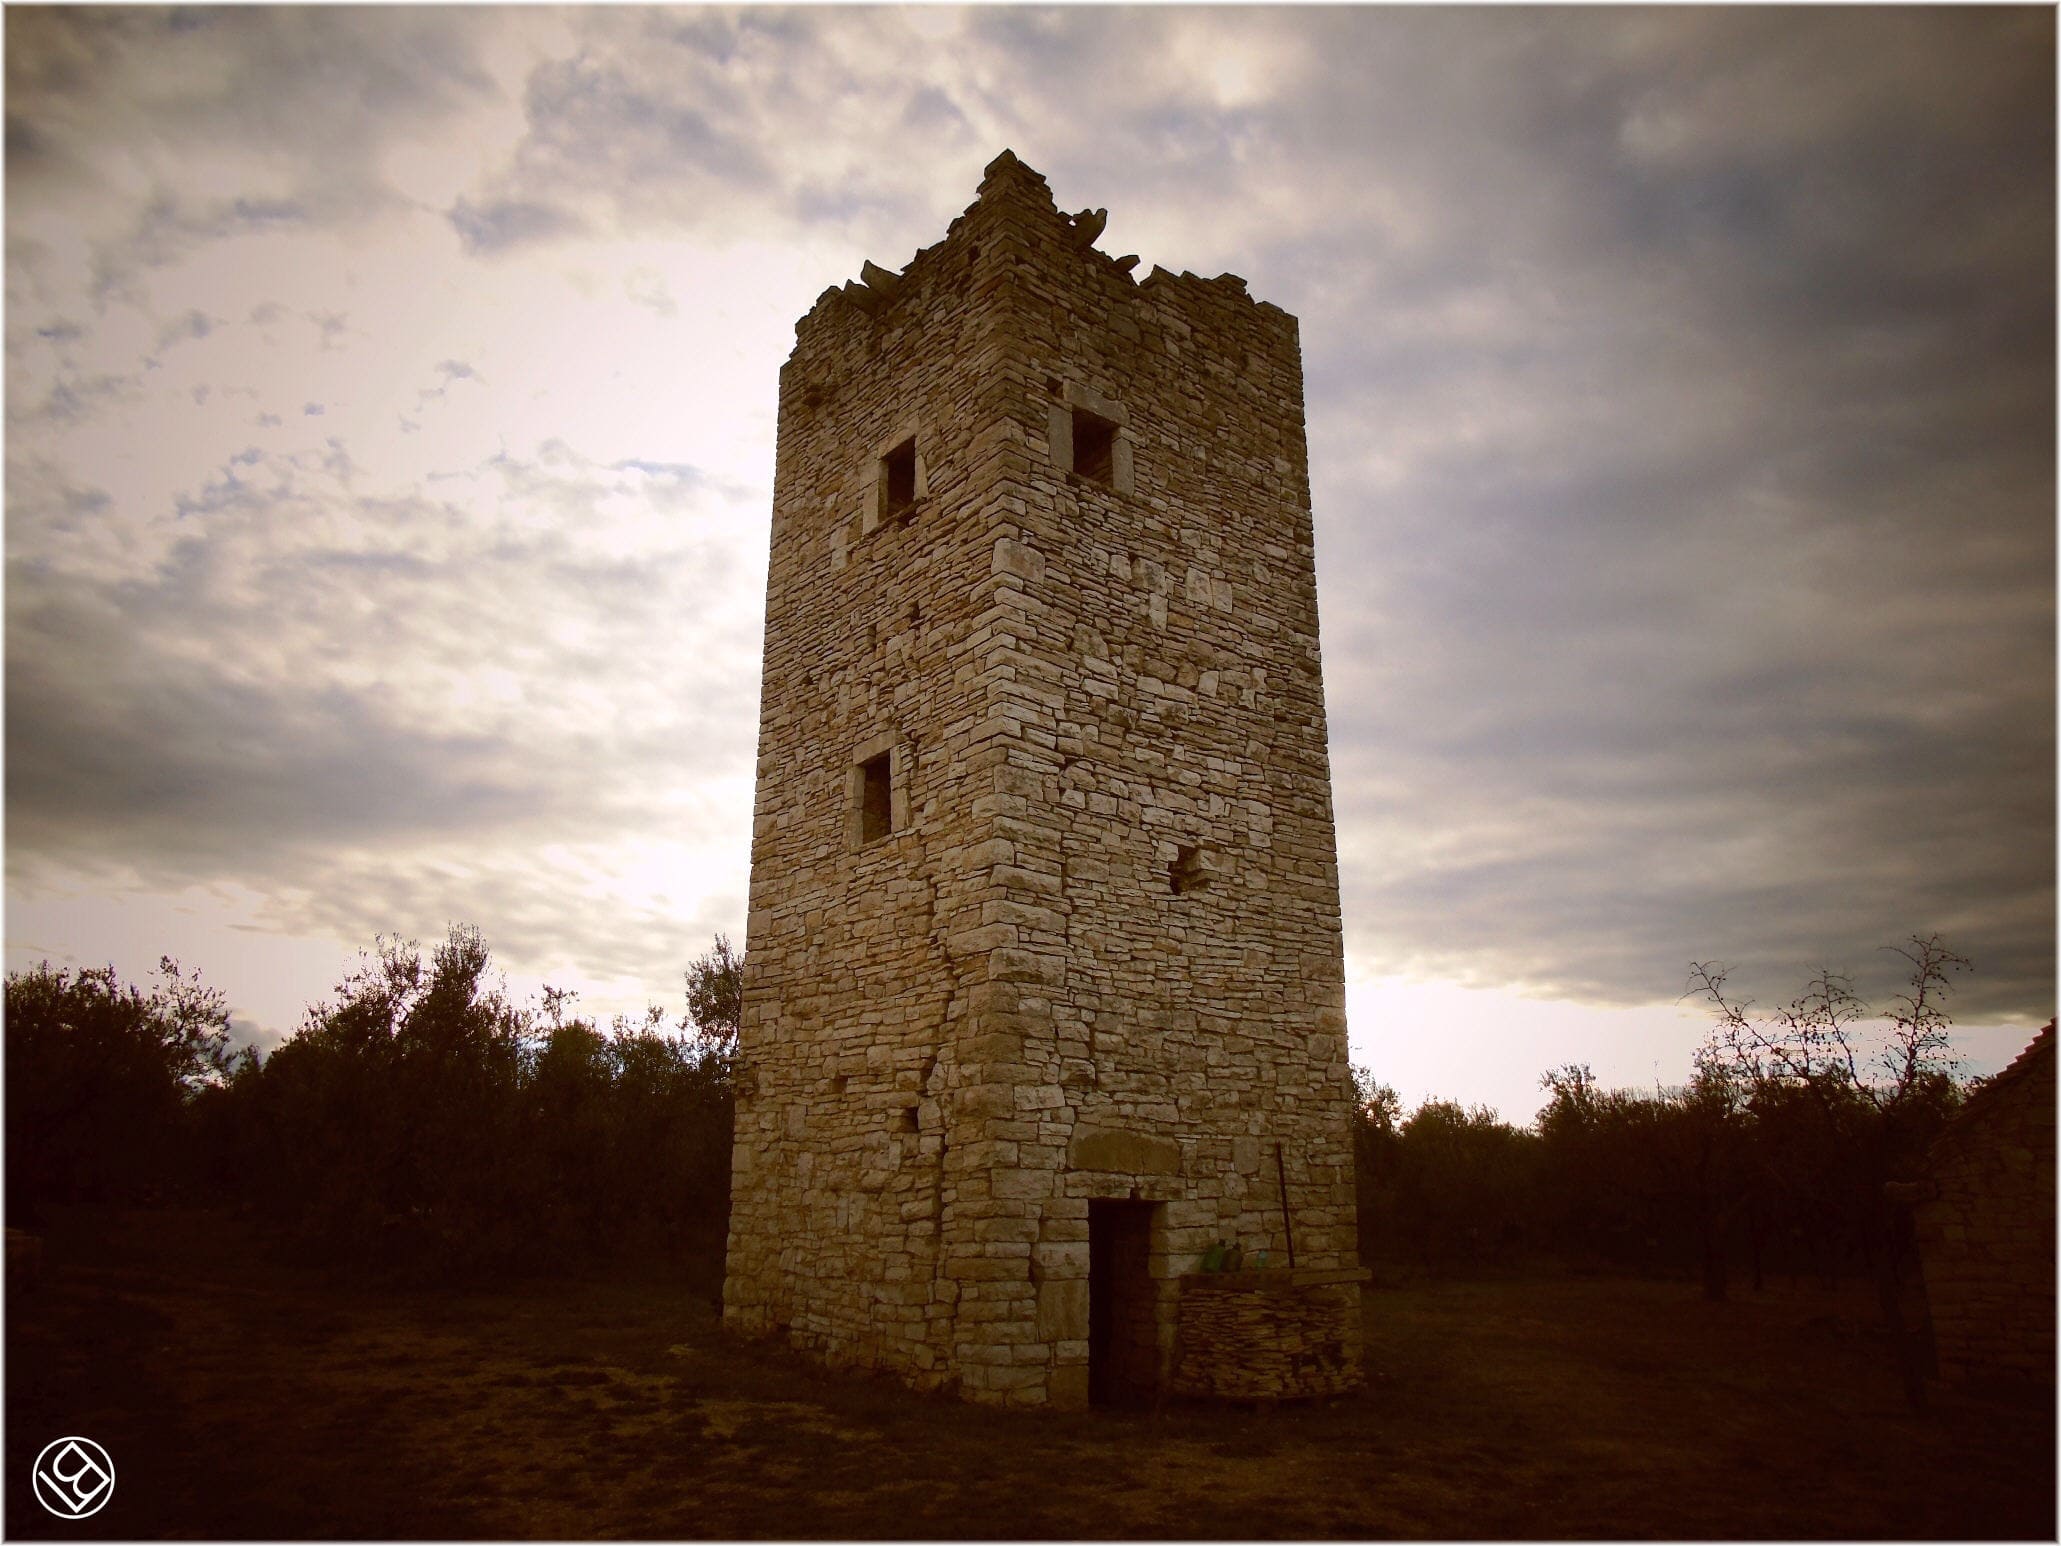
(390, 409)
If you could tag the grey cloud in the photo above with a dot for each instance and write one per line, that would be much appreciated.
(197, 721)
(1051, 45)
(271, 76)
(518, 900)
(501, 225)
(256, 214)
(251, 91)
(1723, 525)
(448, 372)
(74, 397)
(722, 37)
(651, 126)
(193, 325)
(170, 763)
(588, 115)
(679, 471)
(931, 111)
(848, 200)
(65, 506)
(166, 228)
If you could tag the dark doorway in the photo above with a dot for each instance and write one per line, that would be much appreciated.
(1123, 1341)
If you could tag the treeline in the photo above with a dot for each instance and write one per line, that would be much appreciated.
(1688, 1182)
(1779, 1157)
(419, 1124)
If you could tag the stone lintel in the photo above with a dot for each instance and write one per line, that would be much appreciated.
(1124, 1150)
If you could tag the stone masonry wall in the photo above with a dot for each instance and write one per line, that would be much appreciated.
(1987, 1237)
(877, 633)
(1100, 954)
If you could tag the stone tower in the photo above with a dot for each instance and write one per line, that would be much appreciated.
(1044, 989)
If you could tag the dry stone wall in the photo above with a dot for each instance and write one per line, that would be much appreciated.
(1987, 1237)
(1268, 1336)
(1041, 603)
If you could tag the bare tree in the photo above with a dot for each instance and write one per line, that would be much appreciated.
(1811, 1042)
(1885, 1101)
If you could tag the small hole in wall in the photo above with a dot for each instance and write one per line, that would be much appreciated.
(1186, 873)
(908, 1119)
(838, 1083)
(1052, 385)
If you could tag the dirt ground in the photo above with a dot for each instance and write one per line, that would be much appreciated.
(242, 1400)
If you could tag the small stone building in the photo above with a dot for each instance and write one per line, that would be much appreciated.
(1044, 987)
(1986, 1233)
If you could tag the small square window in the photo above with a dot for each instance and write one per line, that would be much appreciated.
(1188, 872)
(1094, 447)
(898, 479)
(876, 799)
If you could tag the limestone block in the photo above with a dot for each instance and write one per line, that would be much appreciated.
(1019, 559)
(1061, 1258)
(1063, 1309)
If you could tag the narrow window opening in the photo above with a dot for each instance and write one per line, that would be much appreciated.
(1186, 873)
(876, 799)
(908, 1119)
(898, 477)
(1094, 447)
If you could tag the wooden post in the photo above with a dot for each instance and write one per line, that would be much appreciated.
(1287, 1220)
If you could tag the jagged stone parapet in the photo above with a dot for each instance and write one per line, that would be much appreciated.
(877, 278)
(1088, 226)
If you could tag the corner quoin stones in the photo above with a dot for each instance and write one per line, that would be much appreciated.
(1044, 910)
